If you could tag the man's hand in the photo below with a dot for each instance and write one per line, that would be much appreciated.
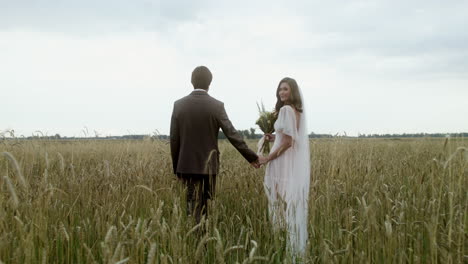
(259, 162)
(255, 164)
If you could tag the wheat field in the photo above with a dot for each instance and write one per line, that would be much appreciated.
(371, 201)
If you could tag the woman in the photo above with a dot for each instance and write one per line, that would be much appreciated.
(287, 176)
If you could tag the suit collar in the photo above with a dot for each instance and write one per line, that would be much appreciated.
(199, 93)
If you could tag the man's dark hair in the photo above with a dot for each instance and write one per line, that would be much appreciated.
(201, 78)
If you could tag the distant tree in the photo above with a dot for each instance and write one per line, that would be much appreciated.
(245, 133)
(252, 133)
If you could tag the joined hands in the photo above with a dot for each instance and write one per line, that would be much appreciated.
(259, 162)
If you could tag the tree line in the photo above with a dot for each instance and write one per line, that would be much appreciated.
(247, 134)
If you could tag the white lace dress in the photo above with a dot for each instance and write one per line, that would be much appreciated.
(287, 195)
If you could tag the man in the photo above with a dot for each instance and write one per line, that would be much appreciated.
(195, 123)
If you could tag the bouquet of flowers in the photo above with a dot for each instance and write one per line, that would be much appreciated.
(266, 123)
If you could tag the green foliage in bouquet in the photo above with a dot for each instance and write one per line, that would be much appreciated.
(266, 123)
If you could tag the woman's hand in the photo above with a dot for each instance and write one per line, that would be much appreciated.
(262, 160)
(270, 137)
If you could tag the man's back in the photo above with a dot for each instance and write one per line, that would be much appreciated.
(195, 124)
(196, 117)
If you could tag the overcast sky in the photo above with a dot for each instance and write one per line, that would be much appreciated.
(116, 67)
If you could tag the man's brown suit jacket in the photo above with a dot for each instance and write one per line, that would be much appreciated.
(195, 123)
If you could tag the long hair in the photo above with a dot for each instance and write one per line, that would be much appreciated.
(294, 97)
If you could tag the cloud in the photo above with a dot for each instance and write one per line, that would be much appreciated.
(89, 17)
(426, 37)
(365, 66)
(52, 80)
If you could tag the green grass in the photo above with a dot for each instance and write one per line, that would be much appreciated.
(371, 201)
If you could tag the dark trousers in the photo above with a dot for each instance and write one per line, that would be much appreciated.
(200, 188)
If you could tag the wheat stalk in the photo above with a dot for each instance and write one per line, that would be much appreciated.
(151, 254)
(11, 189)
(19, 173)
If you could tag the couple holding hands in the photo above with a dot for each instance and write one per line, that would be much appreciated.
(195, 123)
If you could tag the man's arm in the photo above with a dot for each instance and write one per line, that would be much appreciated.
(175, 141)
(235, 138)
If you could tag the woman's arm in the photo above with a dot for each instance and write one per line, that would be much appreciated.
(286, 143)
